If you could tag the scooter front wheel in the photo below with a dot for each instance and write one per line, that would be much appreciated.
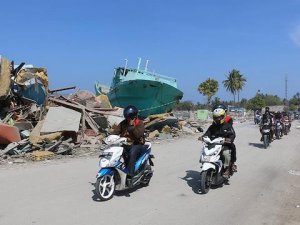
(204, 182)
(105, 187)
(266, 141)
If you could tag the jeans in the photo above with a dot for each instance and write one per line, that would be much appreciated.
(134, 152)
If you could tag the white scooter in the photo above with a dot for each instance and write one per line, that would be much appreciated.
(112, 174)
(212, 165)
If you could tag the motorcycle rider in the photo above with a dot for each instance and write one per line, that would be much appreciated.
(267, 119)
(133, 129)
(221, 129)
(228, 119)
(278, 117)
(286, 118)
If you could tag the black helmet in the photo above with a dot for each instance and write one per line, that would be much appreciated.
(267, 109)
(220, 106)
(130, 112)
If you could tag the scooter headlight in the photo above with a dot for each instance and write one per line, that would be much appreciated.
(103, 162)
(105, 158)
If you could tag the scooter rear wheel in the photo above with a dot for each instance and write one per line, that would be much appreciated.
(105, 187)
(147, 177)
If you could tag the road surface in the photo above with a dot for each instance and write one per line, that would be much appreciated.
(265, 190)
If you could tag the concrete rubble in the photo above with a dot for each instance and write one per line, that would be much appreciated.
(39, 124)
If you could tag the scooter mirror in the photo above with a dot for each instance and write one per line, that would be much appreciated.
(199, 129)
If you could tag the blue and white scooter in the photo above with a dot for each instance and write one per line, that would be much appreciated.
(112, 175)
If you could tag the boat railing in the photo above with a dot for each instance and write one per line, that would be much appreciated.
(153, 74)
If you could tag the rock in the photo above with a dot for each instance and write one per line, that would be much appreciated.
(19, 161)
(153, 134)
(187, 130)
(166, 129)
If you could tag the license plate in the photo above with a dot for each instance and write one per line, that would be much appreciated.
(206, 158)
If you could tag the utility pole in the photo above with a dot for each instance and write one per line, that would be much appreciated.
(286, 91)
(286, 87)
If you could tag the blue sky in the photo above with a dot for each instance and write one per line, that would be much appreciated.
(80, 42)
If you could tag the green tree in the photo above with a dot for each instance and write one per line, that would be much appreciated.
(208, 88)
(295, 100)
(272, 100)
(234, 83)
(256, 102)
(243, 102)
(216, 101)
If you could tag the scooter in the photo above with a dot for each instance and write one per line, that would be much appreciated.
(212, 172)
(266, 135)
(112, 175)
(278, 129)
(286, 125)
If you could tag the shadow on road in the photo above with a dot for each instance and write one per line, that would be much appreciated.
(257, 145)
(193, 179)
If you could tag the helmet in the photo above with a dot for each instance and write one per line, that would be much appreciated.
(219, 115)
(267, 109)
(221, 106)
(130, 112)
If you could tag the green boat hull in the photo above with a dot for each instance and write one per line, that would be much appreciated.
(149, 96)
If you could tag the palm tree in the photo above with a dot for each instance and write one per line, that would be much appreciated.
(241, 82)
(235, 83)
(231, 83)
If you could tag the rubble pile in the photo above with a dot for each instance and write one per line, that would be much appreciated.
(37, 123)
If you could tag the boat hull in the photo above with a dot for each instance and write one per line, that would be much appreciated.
(150, 97)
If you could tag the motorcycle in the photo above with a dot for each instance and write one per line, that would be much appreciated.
(278, 129)
(257, 119)
(112, 175)
(212, 165)
(266, 135)
(286, 126)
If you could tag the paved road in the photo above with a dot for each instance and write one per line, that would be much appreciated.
(264, 191)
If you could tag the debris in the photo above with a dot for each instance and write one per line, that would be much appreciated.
(153, 134)
(40, 155)
(61, 119)
(294, 172)
(9, 134)
(5, 80)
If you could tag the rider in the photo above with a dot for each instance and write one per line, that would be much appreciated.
(228, 119)
(278, 117)
(133, 129)
(286, 118)
(221, 129)
(267, 119)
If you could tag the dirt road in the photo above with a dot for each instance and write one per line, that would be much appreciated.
(264, 191)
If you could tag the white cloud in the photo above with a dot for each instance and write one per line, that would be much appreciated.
(295, 35)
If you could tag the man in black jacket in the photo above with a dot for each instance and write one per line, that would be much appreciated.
(221, 129)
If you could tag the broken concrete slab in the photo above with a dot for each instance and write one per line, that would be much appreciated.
(35, 136)
(61, 119)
